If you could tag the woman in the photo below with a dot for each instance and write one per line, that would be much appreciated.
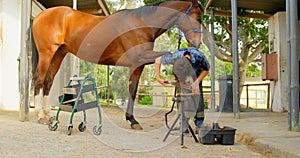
(199, 64)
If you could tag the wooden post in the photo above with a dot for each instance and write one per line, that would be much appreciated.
(24, 60)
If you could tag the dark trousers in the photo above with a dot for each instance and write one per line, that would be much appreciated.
(195, 103)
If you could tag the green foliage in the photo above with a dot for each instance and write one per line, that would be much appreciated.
(147, 2)
(115, 5)
(252, 41)
(102, 94)
(251, 31)
(99, 72)
(205, 105)
(167, 41)
(223, 68)
(145, 100)
(120, 81)
(253, 70)
(86, 68)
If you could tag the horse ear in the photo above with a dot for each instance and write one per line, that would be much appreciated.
(195, 2)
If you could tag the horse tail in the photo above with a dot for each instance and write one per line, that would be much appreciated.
(34, 55)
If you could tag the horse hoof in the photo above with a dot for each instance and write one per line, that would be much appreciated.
(44, 121)
(136, 127)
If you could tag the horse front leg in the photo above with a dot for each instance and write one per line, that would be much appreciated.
(133, 84)
(38, 99)
(49, 115)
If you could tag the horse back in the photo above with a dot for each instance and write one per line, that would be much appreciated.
(62, 25)
(119, 39)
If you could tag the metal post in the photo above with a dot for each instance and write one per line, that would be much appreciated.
(268, 97)
(236, 81)
(24, 60)
(212, 69)
(288, 23)
(294, 64)
(247, 95)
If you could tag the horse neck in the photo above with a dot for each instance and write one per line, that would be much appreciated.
(167, 15)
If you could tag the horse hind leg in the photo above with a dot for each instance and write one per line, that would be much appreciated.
(45, 57)
(52, 71)
(39, 77)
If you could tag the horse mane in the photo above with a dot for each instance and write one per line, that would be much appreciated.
(151, 8)
(143, 10)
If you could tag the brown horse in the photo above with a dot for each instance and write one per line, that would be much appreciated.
(125, 38)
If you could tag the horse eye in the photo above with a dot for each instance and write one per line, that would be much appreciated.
(199, 19)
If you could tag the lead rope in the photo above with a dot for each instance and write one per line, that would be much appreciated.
(179, 38)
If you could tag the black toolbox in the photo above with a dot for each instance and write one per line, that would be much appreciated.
(214, 134)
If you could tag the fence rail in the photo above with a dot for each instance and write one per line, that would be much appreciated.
(206, 90)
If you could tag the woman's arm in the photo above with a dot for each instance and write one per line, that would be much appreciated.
(195, 85)
(157, 72)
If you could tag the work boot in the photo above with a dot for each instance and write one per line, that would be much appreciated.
(199, 123)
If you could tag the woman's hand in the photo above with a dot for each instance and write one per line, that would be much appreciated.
(162, 81)
(195, 87)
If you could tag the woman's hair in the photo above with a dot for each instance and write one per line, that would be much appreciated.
(186, 53)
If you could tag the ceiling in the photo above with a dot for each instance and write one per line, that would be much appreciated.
(266, 7)
(96, 7)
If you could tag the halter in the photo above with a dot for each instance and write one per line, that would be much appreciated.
(193, 27)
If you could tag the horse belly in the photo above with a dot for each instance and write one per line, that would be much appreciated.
(113, 56)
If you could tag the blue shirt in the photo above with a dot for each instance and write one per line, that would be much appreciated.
(198, 59)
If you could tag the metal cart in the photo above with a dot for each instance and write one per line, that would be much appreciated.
(72, 101)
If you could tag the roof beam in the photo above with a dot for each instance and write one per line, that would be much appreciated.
(266, 8)
(219, 12)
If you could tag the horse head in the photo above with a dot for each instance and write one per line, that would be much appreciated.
(190, 23)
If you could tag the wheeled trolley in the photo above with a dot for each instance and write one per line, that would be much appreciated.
(72, 101)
